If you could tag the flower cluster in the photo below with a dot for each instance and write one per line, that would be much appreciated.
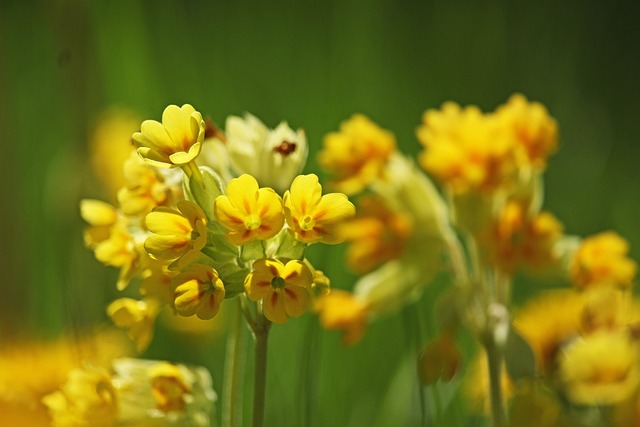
(206, 215)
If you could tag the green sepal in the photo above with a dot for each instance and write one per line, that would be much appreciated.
(219, 248)
(289, 247)
(252, 251)
(232, 277)
(204, 192)
(519, 358)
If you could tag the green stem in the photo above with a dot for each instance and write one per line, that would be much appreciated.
(261, 333)
(494, 361)
(235, 358)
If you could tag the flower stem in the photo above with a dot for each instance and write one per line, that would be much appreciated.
(494, 361)
(232, 396)
(261, 333)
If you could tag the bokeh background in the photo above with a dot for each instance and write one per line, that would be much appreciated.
(63, 63)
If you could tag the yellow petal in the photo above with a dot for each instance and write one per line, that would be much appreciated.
(297, 274)
(227, 214)
(167, 221)
(273, 307)
(96, 212)
(333, 207)
(243, 193)
(296, 300)
(305, 193)
(187, 298)
(153, 135)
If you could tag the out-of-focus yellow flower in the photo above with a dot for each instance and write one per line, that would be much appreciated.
(518, 239)
(176, 234)
(602, 259)
(343, 311)
(602, 368)
(198, 291)
(144, 190)
(439, 360)
(312, 216)
(608, 308)
(465, 149)
(548, 321)
(137, 317)
(101, 216)
(174, 142)
(109, 146)
(272, 157)
(169, 387)
(357, 154)
(476, 385)
(532, 127)
(86, 399)
(283, 288)
(377, 234)
(249, 212)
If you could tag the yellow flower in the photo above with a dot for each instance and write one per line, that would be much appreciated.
(531, 126)
(249, 212)
(145, 189)
(519, 239)
(198, 291)
(342, 310)
(101, 216)
(174, 142)
(600, 369)
(283, 288)
(377, 234)
(466, 150)
(176, 234)
(439, 359)
(357, 153)
(602, 259)
(312, 216)
(87, 398)
(169, 388)
(136, 317)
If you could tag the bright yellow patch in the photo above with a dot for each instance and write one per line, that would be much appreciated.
(198, 291)
(341, 310)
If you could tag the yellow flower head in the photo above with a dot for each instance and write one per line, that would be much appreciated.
(101, 216)
(377, 234)
(357, 153)
(176, 234)
(602, 259)
(312, 216)
(602, 368)
(521, 239)
(145, 188)
(198, 291)
(283, 288)
(531, 126)
(249, 212)
(136, 317)
(465, 149)
(88, 398)
(342, 310)
(174, 142)
(169, 387)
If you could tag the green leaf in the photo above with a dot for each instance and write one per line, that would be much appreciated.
(252, 251)
(233, 278)
(519, 357)
(204, 192)
(289, 247)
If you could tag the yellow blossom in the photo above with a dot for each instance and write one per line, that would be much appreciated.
(519, 239)
(357, 154)
(174, 142)
(344, 311)
(176, 234)
(249, 212)
(312, 216)
(376, 234)
(101, 216)
(198, 291)
(466, 150)
(531, 126)
(86, 399)
(144, 190)
(476, 385)
(602, 368)
(136, 317)
(602, 259)
(283, 288)
(169, 387)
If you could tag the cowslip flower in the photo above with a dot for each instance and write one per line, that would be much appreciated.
(101, 217)
(169, 387)
(176, 234)
(145, 188)
(249, 212)
(198, 291)
(136, 317)
(312, 216)
(357, 153)
(283, 288)
(273, 157)
(174, 142)
(343, 311)
(602, 259)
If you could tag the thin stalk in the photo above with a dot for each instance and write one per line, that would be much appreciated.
(235, 358)
(494, 361)
(261, 333)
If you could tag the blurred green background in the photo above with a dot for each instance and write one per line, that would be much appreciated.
(63, 62)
